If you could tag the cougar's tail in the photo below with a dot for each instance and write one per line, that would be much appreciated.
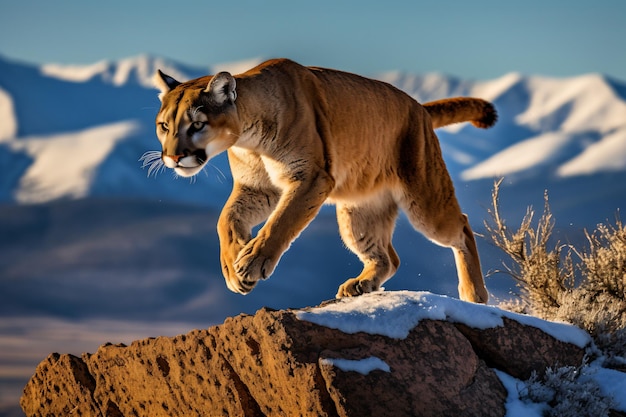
(448, 111)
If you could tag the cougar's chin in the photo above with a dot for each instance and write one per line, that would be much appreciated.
(192, 164)
(188, 172)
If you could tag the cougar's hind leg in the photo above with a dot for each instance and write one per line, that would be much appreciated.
(471, 283)
(367, 229)
(444, 224)
(428, 198)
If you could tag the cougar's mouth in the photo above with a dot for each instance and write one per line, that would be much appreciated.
(191, 164)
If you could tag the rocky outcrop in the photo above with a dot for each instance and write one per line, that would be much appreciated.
(276, 363)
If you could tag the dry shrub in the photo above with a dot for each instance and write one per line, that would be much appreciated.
(585, 287)
(542, 274)
(569, 391)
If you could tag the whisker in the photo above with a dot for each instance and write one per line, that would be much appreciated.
(222, 178)
(149, 156)
(157, 167)
(152, 160)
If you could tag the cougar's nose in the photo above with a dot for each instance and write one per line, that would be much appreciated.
(171, 161)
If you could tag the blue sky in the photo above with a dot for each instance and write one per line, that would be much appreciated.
(471, 39)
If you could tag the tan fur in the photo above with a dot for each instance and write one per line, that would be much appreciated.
(461, 109)
(298, 137)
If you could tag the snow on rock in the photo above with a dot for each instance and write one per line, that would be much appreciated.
(272, 364)
(394, 314)
(316, 370)
(64, 164)
(610, 382)
(515, 407)
(362, 366)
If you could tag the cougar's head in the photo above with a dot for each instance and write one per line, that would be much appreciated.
(197, 120)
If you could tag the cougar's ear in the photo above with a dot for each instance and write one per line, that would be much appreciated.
(222, 88)
(164, 82)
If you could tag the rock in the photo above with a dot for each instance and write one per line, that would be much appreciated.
(277, 364)
(503, 348)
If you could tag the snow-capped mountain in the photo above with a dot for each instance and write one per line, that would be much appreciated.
(53, 116)
(74, 132)
(139, 70)
(564, 127)
(130, 71)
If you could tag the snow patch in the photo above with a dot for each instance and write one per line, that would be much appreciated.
(75, 73)
(395, 313)
(523, 155)
(362, 366)
(63, 165)
(574, 104)
(134, 70)
(8, 126)
(609, 154)
(141, 69)
(456, 155)
(515, 407)
(492, 89)
(612, 383)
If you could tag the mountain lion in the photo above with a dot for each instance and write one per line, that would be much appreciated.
(298, 137)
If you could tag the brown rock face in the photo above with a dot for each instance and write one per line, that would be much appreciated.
(273, 364)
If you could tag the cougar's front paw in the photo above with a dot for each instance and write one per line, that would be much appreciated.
(228, 257)
(355, 287)
(234, 282)
(253, 264)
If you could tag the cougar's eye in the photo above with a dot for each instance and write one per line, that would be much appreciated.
(198, 126)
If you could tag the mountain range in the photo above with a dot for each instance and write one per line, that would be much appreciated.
(99, 118)
(90, 242)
